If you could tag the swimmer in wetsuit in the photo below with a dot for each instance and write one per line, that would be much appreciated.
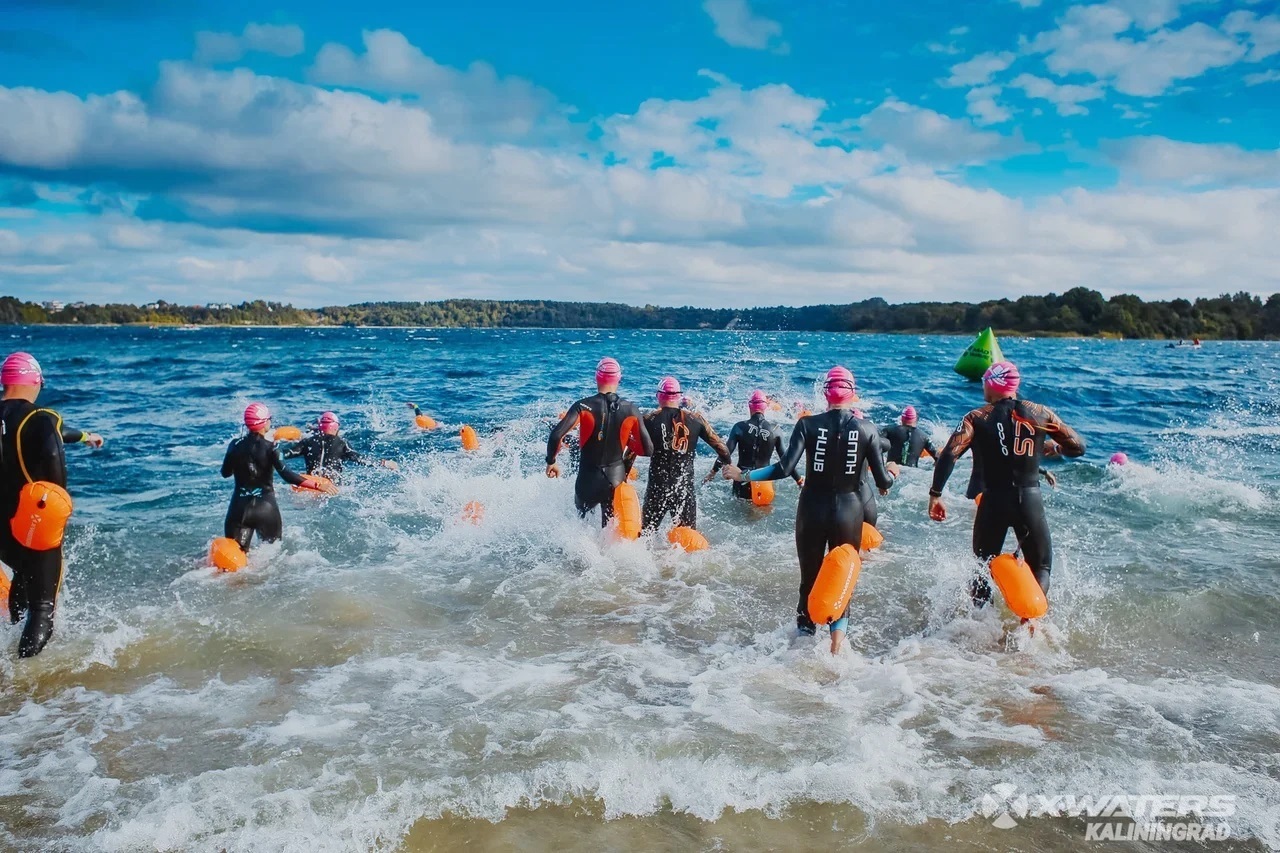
(608, 426)
(325, 451)
(31, 450)
(756, 441)
(251, 460)
(839, 449)
(904, 441)
(675, 433)
(1007, 437)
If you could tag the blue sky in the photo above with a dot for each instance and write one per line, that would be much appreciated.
(710, 152)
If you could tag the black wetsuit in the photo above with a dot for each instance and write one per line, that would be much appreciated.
(251, 460)
(756, 441)
(675, 434)
(904, 444)
(839, 448)
(324, 454)
(608, 427)
(1007, 440)
(37, 575)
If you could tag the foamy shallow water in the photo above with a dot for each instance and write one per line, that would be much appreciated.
(391, 677)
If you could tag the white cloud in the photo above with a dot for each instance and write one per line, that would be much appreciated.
(1092, 40)
(984, 108)
(1066, 97)
(1263, 34)
(925, 136)
(220, 183)
(1155, 158)
(1262, 77)
(979, 70)
(737, 25)
(215, 48)
(476, 101)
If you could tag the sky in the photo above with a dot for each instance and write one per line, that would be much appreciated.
(671, 152)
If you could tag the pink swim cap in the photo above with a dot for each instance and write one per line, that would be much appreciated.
(669, 390)
(909, 415)
(256, 415)
(1002, 377)
(1119, 459)
(608, 371)
(329, 423)
(758, 402)
(21, 368)
(839, 387)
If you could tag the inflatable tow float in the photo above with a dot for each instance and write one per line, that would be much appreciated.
(1018, 585)
(834, 587)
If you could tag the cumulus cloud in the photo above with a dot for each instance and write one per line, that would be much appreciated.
(1155, 158)
(979, 70)
(1066, 97)
(216, 183)
(1097, 40)
(1262, 34)
(214, 48)
(984, 107)
(737, 25)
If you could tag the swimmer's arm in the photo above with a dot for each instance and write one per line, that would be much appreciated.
(713, 440)
(76, 436)
(784, 467)
(1070, 443)
(567, 423)
(642, 432)
(227, 469)
(287, 474)
(777, 446)
(729, 447)
(946, 460)
(293, 451)
(876, 460)
(349, 454)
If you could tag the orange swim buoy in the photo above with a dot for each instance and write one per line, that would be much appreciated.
(470, 441)
(41, 518)
(633, 475)
(323, 486)
(871, 538)
(473, 512)
(1018, 586)
(688, 539)
(286, 433)
(762, 493)
(226, 556)
(626, 511)
(977, 500)
(834, 587)
(425, 421)
(4, 590)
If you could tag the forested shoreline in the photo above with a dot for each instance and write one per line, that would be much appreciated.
(1079, 311)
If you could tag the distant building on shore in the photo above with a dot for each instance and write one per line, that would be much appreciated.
(52, 305)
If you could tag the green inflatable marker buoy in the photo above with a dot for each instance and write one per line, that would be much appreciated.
(981, 354)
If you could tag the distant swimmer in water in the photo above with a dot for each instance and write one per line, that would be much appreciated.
(756, 440)
(903, 442)
(324, 452)
(31, 451)
(839, 449)
(251, 460)
(607, 427)
(1007, 437)
(675, 433)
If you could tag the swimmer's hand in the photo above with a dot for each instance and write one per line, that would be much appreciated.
(389, 465)
(1050, 479)
(800, 482)
(1052, 450)
(93, 440)
(553, 471)
(893, 468)
(732, 472)
(711, 475)
(937, 511)
(319, 485)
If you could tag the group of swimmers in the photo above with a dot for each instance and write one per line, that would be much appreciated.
(847, 460)
(845, 465)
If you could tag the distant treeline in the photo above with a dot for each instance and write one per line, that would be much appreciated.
(1079, 311)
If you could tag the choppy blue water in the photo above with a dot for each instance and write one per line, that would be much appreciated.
(392, 677)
